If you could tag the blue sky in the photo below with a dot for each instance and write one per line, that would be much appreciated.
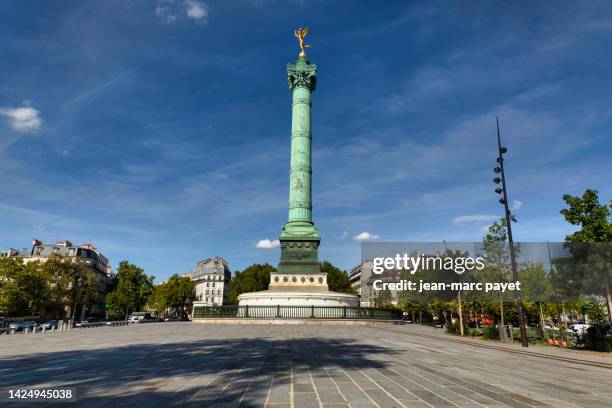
(159, 130)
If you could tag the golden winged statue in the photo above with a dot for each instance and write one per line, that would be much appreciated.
(300, 33)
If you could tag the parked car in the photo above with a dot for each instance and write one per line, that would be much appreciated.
(86, 321)
(31, 325)
(143, 317)
(17, 326)
(49, 324)
(579, 329)
(176, 319)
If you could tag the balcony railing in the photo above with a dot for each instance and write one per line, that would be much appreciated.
(295, 312)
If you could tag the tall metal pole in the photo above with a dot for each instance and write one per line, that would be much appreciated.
(519, 303)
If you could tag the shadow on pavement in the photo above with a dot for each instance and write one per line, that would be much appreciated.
(202, 373)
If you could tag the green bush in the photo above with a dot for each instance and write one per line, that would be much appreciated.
(490, 332)
(473, 332)
(453, 329)
(533, 335)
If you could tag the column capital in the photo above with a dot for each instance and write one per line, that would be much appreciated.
(302, 74)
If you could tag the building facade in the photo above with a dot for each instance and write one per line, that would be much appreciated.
(211, 277)
(362, 280)
(85, 254)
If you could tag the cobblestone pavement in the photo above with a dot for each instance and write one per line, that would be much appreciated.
(278, 366)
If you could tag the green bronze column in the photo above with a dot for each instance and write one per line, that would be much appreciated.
(302, 81)
(299, 237)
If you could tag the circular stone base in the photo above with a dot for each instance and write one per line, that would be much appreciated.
(299, 304)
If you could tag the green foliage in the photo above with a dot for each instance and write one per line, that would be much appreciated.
(382, 298)
(535, 283)
(337, 279)
(596, 311)
(35, 288)
(490, 332)
(24, 288)
(590, 247)
(592, 217)
(65, 288)
(533, 335)
(455, 329)
(253, 279)
(473, 332)
(133, 288)
(177, 293)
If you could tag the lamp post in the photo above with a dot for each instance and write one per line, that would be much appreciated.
(76, 300)
(509, 218)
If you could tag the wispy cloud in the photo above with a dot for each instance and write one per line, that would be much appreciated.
(478, 218)
(516, 205)
(92, 93)
(25, 119)
(267, 244)
(169, 11)
(164, 11)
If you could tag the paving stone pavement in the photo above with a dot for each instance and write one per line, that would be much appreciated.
(297, 366)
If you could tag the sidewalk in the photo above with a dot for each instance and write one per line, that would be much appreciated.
(584, 355)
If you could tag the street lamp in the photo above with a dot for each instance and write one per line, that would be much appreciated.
(76, 300)
(509, 218)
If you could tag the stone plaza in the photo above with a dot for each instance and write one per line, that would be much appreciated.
(278, 366)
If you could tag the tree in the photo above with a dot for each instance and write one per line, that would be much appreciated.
(133, 288)
(177, 293)
(536, 287)
(496, 257)
(24, 288)
(383, 298)
(253, 279)
(590, 246)
(337, 279)
(66, 291)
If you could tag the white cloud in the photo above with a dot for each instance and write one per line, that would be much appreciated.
(478, 218)
(267, 244)
(516, 205)
(344, 235)
(365, 236)
(25, 119)
(196, 9)
(485, 229)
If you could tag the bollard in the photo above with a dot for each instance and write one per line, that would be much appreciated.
(52, 329)
(44, 329)
(25, 331)
(13, 331)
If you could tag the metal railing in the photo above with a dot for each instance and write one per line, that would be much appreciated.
(295, 312)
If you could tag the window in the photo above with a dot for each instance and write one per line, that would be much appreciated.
(72, 252)
(55, 250)
(39, 250)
